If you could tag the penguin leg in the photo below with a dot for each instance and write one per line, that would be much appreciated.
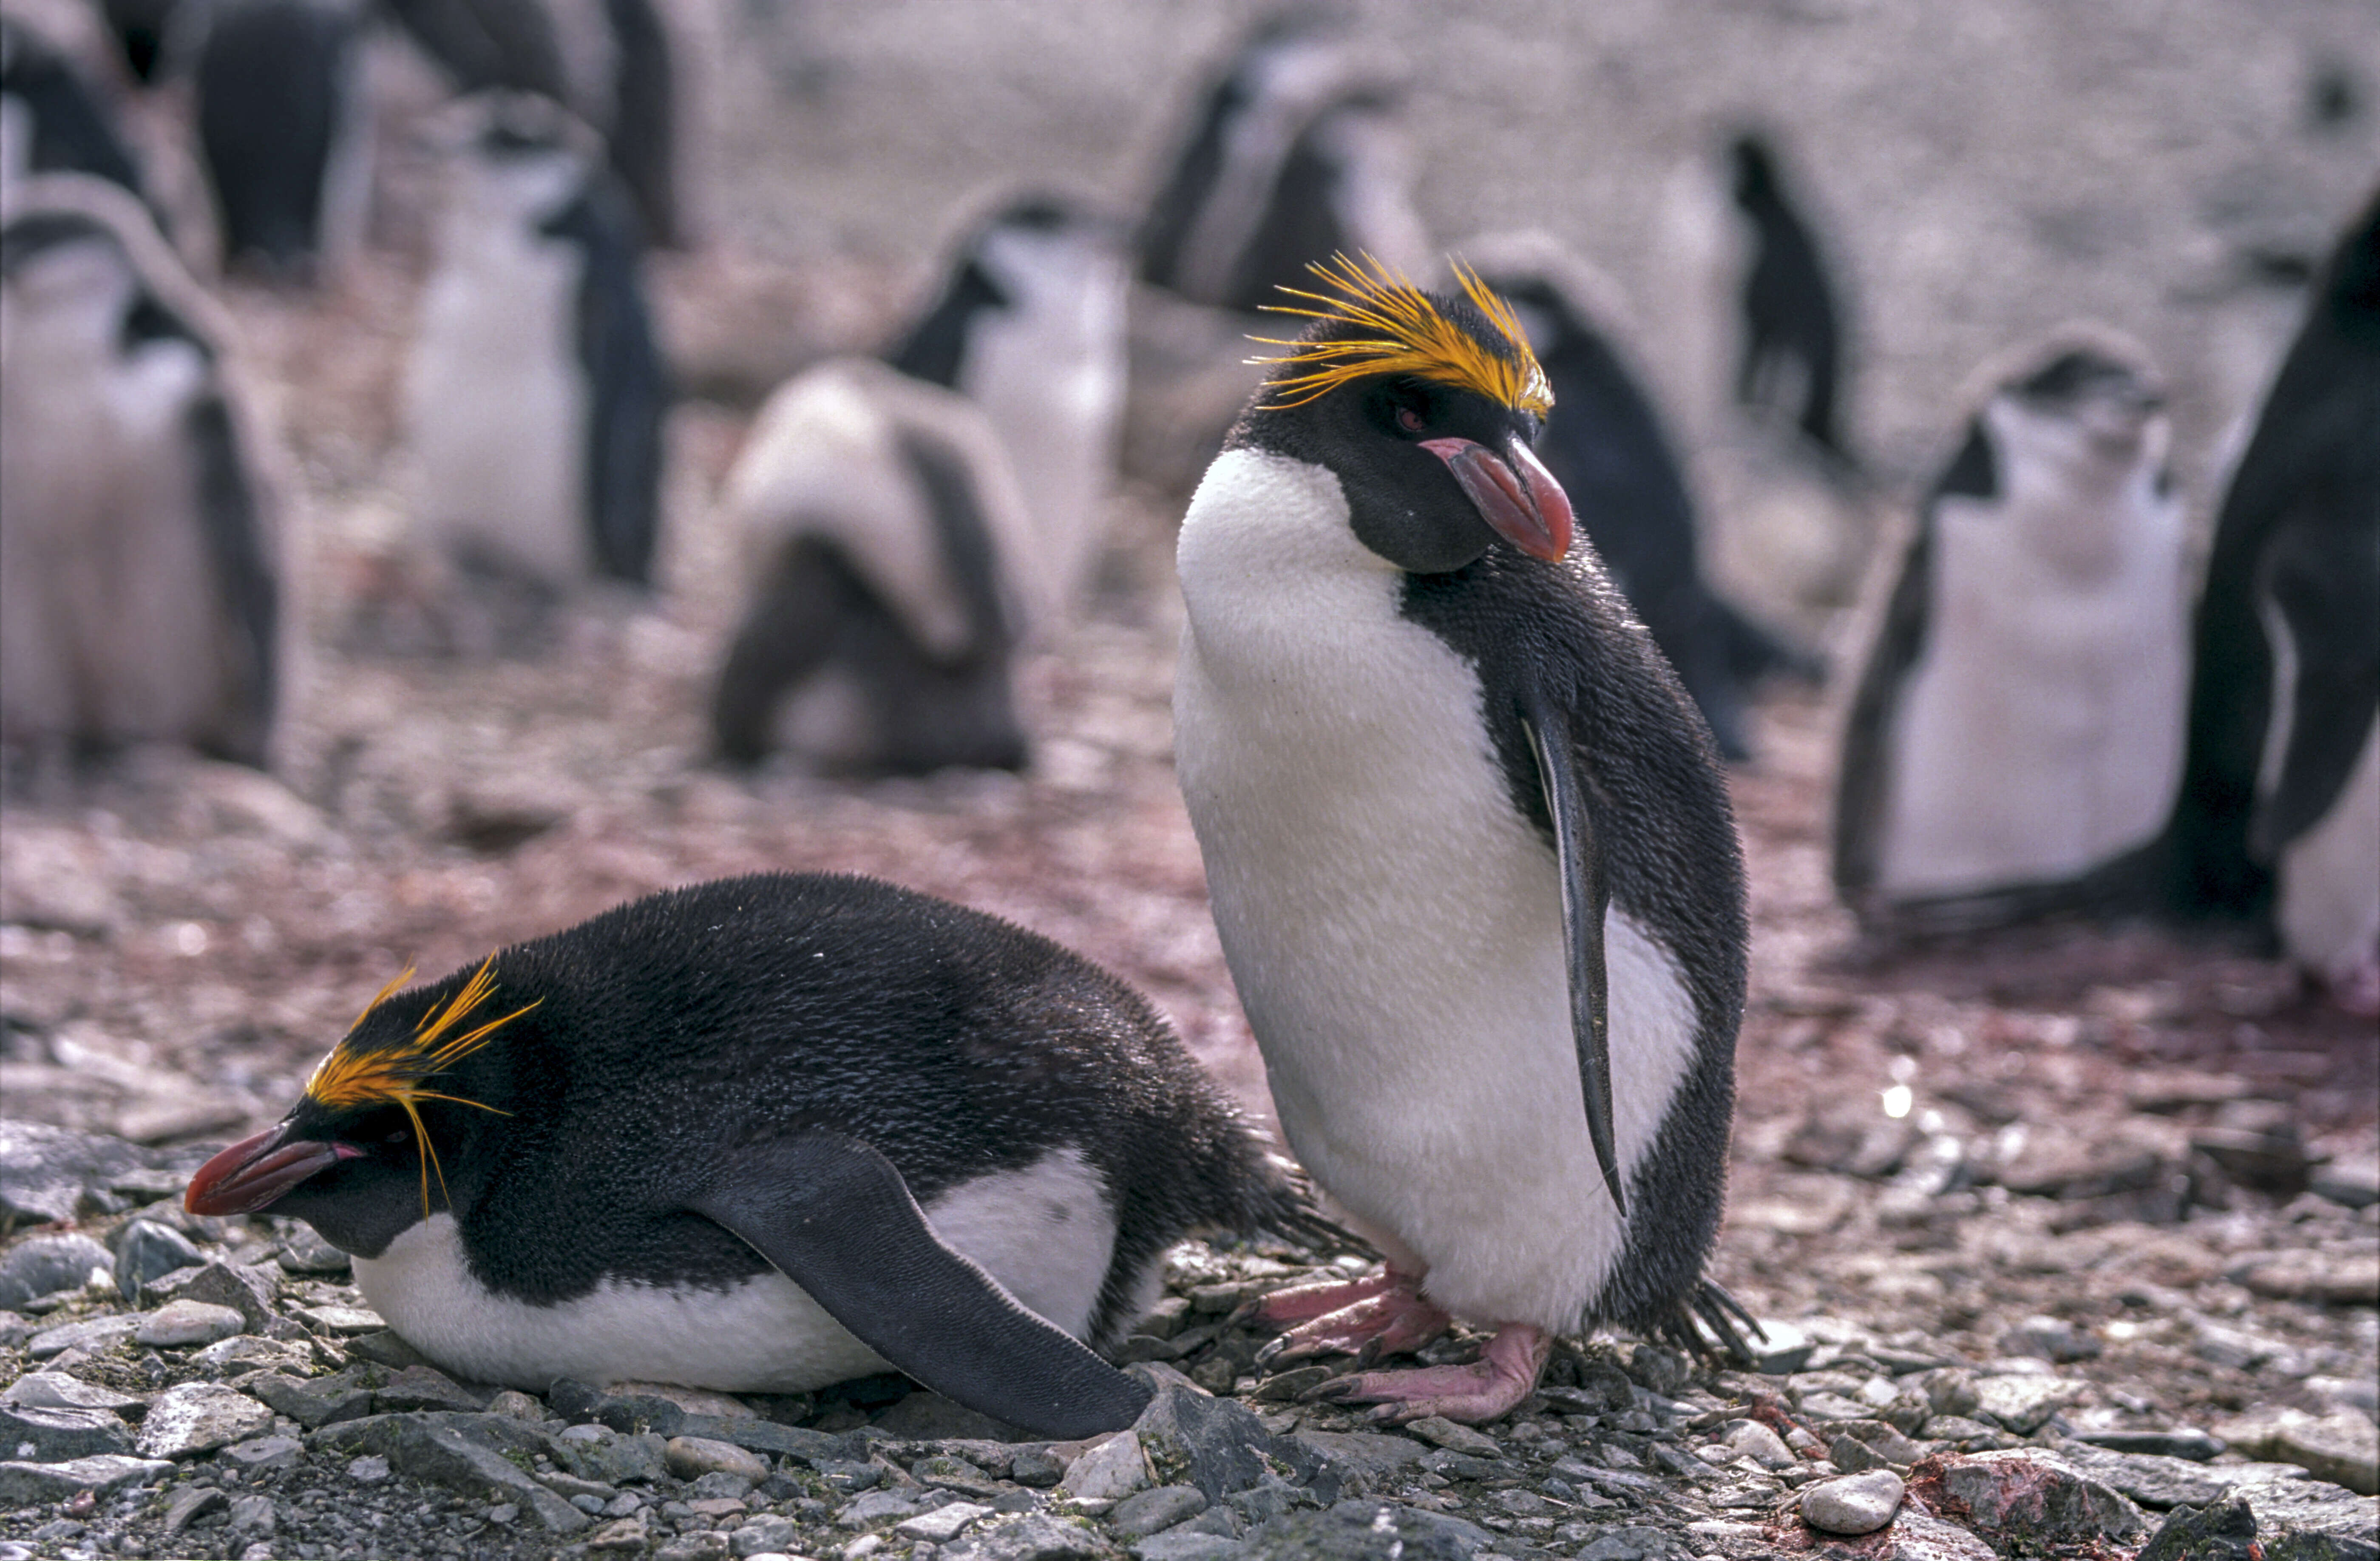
(834, 1214)
(1489, 1389)
(1391, 1320)
(1303, 1303)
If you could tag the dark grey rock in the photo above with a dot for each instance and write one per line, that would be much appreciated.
(248, 1291)
(1602, 1388)
(56, 1390)
(2049, 1339)
(303, 1252)
(929, 1417)
(1034, 1537)
(26, 1485)
(386, 1348)
(628, 1413)
(849, 1476)
(55, 1435)
(41, 1265)
(1369, 1456)
(1186, 1544)
(463, 1452)
(611, 1457)
(251, 1515)
(198, 1417)
(1655, 1368)
(2181, 1443)
(426, 1387)
(764, 1534)
(2223, 1531)
(147, 1251)
(941, 1471)
(767, 1436)
(91, 1333)
(190, 1504)
(1217, 1445)
(1365, 1530)
(52, 1175)
(1147, 1512)
(2029, 1497)
(314, 1401)
(264, 1453)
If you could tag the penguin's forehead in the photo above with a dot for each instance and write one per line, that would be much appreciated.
(1373, 323)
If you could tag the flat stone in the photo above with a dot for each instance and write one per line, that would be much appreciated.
(1440, 1431)
(463, 1452)
(690, 1457)
(2183, 1442)
(2353, 1180)
(1822, 1407)
(92, 1334)
(56, 1390)
(2343, 1447)
(251, 1292)
(39, 1265)
(626, 1412)
(1364, 1531)
(2025, 1404)
(426, 1387)
(703, 1545)
(943, 1524)
(55, 1434)
(875, 1506)
(518, 1405)
(1918, 1536)
(2029, 1497)
(767, 1436)
(1858, 1504)
(385, 1348)
(2049, 1339)
(2287, 1502)
(622, 1534)
(607, 1457)
(1372, 1455)
(1751, 1439)
(199, 1417)
(941, 1471)
(369, 1471)
(1785, 1349)
(764, 1534)
(265, 1452)
(251, 1515)
(2329, 1278)
(190, 1504)
(1633, 1541)
(314, 1402)
(1190, 1437)
(303, 1252)
(343, 1319)
(2223, 1531)
(1147, 1512)
(28, 1484)
(183, 1323)
(719, 1484)
(1113, 1470)
(929, 1416)
(147, 1251)
(1185, 1544)
(1035, 1537)
(245, 1353)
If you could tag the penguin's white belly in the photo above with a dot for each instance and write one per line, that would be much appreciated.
(500, 409)
(2041, 733)
(1046, 1233)
(1392, 923)
(2330, 877)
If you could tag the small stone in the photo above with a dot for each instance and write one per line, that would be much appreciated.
(2343, 1448)
(762, 1534)
(718, 1491)
(599, 1454)
(31, 1484)
(424, 1387)
(517, 1405)
(56, 1390)
(190, 1504)
(2181, 1443)
(623, 1533)
(383, 1348)
(265, 1452)
(1113, 1470)
(690, 1457)
(2223, 1532)
(367, 1471)
(56, 1435)
(1183, 1544)
(1951, 1391)
(147, 1251)
(251, 1515)
(943, 1524)
(2025, 1404)
(199, 1417)
(2029, 1497)
(1917, 1536)
(2049, 1340)
(875, 1506)
(1785, 1349)
(2354, 1181)
(250, 1291)
(1858, 1504)
(243, 1354)
(1440, 1431)
(1753, 1440)
(1037, 1538)
(181, 1322)
(941, 1472)
(2329, 1278)
(703, 1545)
(41, 1265)
(303, 1252)
(92, 1334)
(343, 1319)
(1147, 1512)
(314, 1402)
(1036, 1468)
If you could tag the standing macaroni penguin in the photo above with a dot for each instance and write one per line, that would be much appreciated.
(1469, 849)
(2279, 810)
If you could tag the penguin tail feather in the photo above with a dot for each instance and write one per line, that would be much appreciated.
(1705, 1325)
(1291, 1209)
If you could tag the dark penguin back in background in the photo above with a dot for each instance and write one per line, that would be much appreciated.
(74, 129)
(630, 383)
(277, 88)
(1793, 353)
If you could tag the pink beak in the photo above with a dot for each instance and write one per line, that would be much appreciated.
(1514, 494)
(254, 1172)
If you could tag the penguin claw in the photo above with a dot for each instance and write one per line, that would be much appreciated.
(1391, 1322)
(1487, 1389)
(1304, 1303)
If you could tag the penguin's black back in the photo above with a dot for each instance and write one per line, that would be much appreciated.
(1790, 308)
(1667, 835)
(271, 77)
(2305, 501)
(674, 1029)
(73, 131)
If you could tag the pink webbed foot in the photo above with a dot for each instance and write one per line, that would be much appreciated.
(1489, 1389)
(1379, 1317)
(1303, 1303)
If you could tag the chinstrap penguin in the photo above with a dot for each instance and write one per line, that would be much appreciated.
(1469, 849)
(53, 119)
(2015, 740)
(1606, 445)
(1792, 358)
(1294, 158)
(141, 581)
(882, 527)
(1028, 323)
(536, 391)
(2279, 818)
(285, 130)
(762, 1135)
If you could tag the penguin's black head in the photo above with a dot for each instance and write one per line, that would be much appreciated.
(1426, 406)
(355, 1157)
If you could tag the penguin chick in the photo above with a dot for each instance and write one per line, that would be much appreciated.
(1469, 850)
(881, 529)
(1606, 445)
(1029, 324)
(535, 390)
(2015, 741)
(2279, 817)
(141, 582)
(762, 1135)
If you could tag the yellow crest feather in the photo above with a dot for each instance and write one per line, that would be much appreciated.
(351, 1078)
(1411, 336)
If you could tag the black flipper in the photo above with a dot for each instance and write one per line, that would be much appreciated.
(1586, 896)
(834, 1215)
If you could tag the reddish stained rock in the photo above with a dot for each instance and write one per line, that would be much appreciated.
(2025, 1497)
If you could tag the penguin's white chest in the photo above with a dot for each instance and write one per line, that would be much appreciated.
(1393, 923)
(1046, 1233)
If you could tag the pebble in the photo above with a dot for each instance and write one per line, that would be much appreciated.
(1858, 1504)
(199, 1417)
(765, 1533)
(1148, 1512)
(92, 1334)
(1441, 1432)
(265, 1452)
(943, 1524)
(1113, 1470)
(56, 1390)
(145, 1251)
(41, 1265)
(1758, 1442)
(2343, 1447)
(367, 1471)
(2049, 1339)
(24, 1484)
(182, 1322)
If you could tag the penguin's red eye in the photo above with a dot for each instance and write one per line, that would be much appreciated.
(1411, 420)
(397, 1136)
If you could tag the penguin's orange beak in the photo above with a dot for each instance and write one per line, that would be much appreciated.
(1513, 493)
(255, 1172)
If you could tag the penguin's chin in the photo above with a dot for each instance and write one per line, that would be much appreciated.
(254, 1173)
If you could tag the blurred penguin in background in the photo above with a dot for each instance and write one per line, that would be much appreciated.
(54, 118)
(882, 530)
(1792, 360)
(142, 592)
(2016, 737)
(285, 132)
(1605, 442)
(535, 392)
(615, 64)
(1294, 158)
(2278, 819)
(1030, 325)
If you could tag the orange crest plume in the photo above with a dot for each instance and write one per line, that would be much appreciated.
(394, 1074)
(1411, 336)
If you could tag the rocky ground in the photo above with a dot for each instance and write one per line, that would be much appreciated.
(2062, 1236)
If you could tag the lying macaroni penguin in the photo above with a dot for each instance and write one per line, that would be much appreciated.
(1469, 848)
(762, 1135)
